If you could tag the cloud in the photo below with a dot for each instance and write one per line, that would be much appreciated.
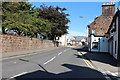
(74, 33)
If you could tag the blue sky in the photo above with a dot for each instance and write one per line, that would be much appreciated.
(89, 10)
(78, 26)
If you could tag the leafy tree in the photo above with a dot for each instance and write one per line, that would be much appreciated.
(21, 18)
(15, 15)
(57, 16)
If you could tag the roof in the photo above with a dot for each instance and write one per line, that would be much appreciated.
(101, 21)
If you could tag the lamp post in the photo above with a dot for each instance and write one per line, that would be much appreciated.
(89, 43)
(86, 25)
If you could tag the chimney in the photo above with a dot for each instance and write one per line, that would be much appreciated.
(108, 9)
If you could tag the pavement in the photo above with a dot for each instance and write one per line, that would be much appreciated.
(103, 62)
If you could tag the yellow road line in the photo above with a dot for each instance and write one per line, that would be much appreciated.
(91, 66)
(86, 61)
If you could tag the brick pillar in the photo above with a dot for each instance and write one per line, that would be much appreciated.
(108, 9)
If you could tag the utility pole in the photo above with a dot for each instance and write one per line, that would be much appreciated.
(89, 45)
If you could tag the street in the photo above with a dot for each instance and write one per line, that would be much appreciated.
(59, 63)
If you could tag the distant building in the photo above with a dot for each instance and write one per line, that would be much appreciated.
(76, 40)
(98, 28)
(62, 40)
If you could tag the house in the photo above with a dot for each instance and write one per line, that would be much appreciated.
(98, 43)
(77, 40)
(62, 40)
(114, 36)
(98, 28)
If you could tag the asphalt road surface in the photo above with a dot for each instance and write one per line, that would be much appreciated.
(61, 63)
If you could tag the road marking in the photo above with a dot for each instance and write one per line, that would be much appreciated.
(64, 50)
(91, 66)
(18, 75)
(108, 78)
(50, 60)
(114, 74)
(59, 53)
(14, 62)
(86, 61)
(105, 75)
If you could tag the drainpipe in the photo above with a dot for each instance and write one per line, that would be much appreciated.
(90, 43)
(118, 53)
(99, 44)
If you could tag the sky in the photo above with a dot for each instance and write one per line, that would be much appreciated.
(78, 25)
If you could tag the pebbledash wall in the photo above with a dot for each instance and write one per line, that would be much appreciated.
(11, 43)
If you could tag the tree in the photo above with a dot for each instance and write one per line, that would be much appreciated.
(23, 19)
(16, 15)
(57, 16)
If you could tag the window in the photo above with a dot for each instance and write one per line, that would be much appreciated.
(95, 45)
(94, 31)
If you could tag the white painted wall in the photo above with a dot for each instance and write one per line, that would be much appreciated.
(63, 40)
(102, 44)
(112, 49)
(94, 39)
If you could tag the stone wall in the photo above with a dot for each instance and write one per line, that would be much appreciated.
(9, 43)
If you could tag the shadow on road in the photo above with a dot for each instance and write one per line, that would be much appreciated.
(76, 73)
(100, 57)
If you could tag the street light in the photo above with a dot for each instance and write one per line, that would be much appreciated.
(86, 25)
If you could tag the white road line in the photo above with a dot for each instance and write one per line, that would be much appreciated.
(104, 73)
(106, 76)
(114, 74)
(19, 74)
(50, 60)
(59, 53)
(64, 50)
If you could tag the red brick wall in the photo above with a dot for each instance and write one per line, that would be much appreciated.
(9, 43)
